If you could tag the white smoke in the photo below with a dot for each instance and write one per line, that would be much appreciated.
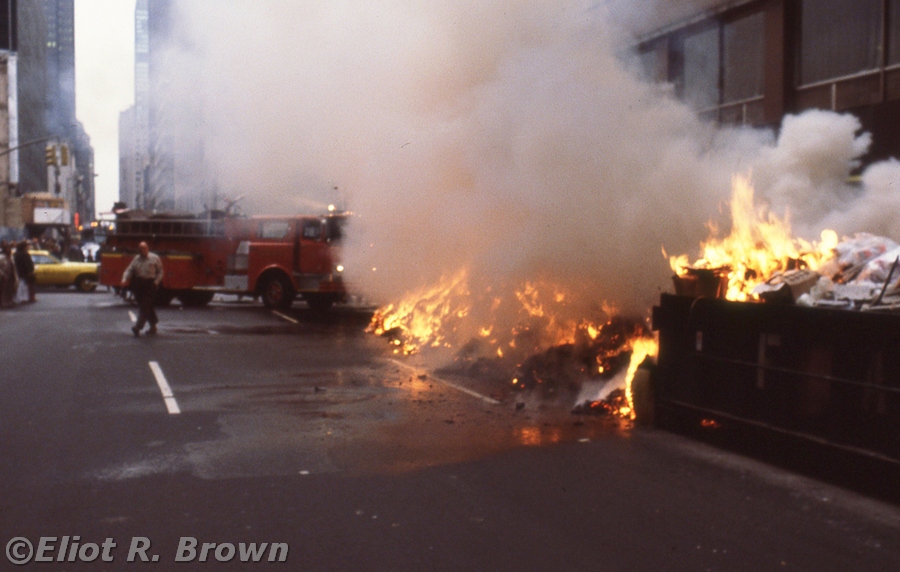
(512, 138)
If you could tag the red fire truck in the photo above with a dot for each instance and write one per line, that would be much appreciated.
(276, 258)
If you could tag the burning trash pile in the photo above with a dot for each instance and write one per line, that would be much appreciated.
(537, 351)
(760, 261)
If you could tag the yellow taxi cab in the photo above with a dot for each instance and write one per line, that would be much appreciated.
(51, 271)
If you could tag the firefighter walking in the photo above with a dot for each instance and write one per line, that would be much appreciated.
(144, 275)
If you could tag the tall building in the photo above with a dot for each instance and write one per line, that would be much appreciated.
(37, 107)
(61, 119)
(140, 115)
(160, 181)
(23, 108)
(60, 16)
(168, 161)
(29, 171)
(130, 176)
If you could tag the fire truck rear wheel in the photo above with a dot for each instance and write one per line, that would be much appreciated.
(277, 292)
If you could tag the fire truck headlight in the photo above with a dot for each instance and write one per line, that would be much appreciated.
(339, 267)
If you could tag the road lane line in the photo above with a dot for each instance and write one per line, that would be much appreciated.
(288, 318)
(132, 316)
(456, 386)
(168, 396)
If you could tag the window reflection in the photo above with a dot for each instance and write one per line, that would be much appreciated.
(894, 32)
(839, 38)
(701, 69)
(743, 54)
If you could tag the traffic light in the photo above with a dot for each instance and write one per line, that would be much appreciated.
(50, 153)
(64, 155)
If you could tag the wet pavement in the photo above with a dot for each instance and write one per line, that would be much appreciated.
(288, 392)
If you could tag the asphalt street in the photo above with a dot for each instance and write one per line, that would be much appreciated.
(236, 425)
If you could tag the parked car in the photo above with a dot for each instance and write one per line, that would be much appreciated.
(50, 271)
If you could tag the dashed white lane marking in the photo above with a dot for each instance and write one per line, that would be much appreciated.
(458, 387)
(132, 316)
(283, 317)
(168, 396)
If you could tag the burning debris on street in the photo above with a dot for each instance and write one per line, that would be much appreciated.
(528, 346)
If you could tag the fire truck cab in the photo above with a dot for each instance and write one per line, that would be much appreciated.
(276, 258)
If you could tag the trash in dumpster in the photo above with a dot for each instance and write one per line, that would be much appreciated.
(761, 261)
(788, 286)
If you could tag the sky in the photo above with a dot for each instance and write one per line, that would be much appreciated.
(104, 84)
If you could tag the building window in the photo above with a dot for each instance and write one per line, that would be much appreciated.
(839, 38)
(701, 69)
(743, 47)
(894, 32)
(142, 31)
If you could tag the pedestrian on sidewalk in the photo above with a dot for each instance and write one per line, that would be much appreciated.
(144, 275)
(25, 267)
(8, 282)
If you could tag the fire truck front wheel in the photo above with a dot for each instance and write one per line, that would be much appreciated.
(277, 292)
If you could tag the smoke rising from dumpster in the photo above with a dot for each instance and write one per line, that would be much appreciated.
(515, 140)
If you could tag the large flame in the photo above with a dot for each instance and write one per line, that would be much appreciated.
(532, 317)
(760, 245)
(424, 317)
(539, 328)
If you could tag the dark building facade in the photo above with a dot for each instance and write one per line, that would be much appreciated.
(60, 16)
(753, 62)
(27, 42)
(61, 119)
(37, 57)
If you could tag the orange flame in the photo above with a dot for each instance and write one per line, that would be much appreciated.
(760, 245)
(640, 349)
(423, 316)
(434, 316)
(542, 319)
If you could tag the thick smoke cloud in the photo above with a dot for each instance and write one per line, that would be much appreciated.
(513, 138)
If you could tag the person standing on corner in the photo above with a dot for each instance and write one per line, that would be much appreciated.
(144, 275)
(8, 283)
(25, 267)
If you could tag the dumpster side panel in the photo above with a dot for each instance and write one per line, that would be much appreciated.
(830, 375)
